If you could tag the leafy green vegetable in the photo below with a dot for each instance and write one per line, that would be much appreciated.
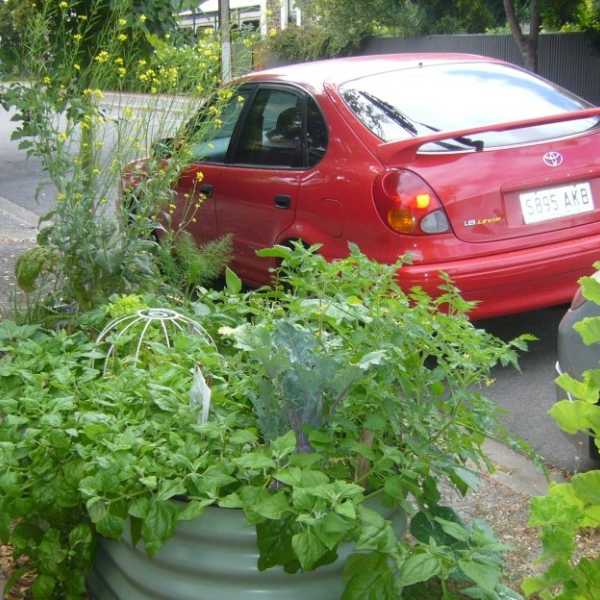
(333, 394)
(572, 507)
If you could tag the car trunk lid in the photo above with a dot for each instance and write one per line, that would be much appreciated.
(509, 192)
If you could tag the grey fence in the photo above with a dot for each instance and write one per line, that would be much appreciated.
(569, 59)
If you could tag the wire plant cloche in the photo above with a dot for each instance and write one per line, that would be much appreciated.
(168, 322)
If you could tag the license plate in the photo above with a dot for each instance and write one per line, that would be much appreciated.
(557, 202)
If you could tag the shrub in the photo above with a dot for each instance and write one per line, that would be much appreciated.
(574, 507)
(92, 245)
(332, 388)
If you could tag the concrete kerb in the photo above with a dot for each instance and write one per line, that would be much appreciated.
(16, 223)
(517, 472)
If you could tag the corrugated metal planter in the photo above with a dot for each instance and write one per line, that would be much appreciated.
(211, 558)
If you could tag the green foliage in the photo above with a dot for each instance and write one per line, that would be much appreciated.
(186, 266)
(555, 13)
(31, 264)
(338, 26)
(85, 18)
(335, 27)
(376, 398)
(570, 508)
(94, 244)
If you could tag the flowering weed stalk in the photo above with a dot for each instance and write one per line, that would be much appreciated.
(79, 118)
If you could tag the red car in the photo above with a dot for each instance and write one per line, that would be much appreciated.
(472, 166)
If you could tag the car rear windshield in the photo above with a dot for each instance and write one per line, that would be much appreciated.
(422, 100)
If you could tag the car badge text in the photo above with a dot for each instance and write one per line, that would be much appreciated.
(485, 221)
(553, 159)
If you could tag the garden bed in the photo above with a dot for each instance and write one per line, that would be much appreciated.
(503, 508)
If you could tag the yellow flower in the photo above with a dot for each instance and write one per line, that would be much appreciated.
(199, 176)
(122, 71)
(153, 90)
(143, 18)
(122, 22)
(119, 60)
(128, 112)
(272, 32)
(194, 220)
(77, 67)
(64, 5)
(46, 80)
(141, 62)
(60, 197)
(122, 37)
(88, 92)
(77, 37)
(62, 137)
(82, 17)
(96, 172)
(102, 57)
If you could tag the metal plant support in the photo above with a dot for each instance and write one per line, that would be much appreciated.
(167, 320)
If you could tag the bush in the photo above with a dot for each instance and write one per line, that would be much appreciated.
(92, 244)
(329, 389)
(574, 507)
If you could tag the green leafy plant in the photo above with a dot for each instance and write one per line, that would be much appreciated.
(573, 507)
(374, 396)
(99, 239)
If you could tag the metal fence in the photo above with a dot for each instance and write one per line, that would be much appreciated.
(569, 59)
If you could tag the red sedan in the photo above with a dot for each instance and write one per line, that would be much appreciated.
(470, 165)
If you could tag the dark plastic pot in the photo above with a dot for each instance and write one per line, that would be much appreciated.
(213, 557)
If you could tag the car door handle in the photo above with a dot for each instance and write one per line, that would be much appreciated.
(282, 201)
(207, 189)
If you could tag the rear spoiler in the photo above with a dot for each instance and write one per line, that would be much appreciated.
(406, 150)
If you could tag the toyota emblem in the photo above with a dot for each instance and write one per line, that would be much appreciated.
(553, 159)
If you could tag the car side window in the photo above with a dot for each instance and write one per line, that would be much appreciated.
(272, 131)
(316, 133)
(219, 129)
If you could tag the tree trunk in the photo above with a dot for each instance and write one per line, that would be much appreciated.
(527, 44)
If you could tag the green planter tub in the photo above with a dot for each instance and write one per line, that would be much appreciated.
(213, 557)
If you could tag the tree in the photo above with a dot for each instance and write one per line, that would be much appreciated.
(526, 42)
(552, 13)
(457, 16)
(143, 17)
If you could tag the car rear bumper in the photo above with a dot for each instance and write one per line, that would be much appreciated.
(513, 282)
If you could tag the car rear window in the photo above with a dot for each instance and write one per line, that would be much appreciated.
(421, 100)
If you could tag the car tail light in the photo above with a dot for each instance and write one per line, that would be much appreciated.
(408, 205)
